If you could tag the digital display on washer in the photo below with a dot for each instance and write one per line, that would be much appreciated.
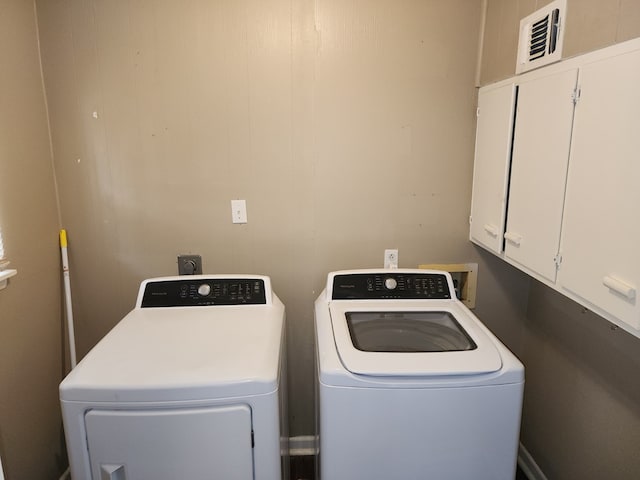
(407, 332)
(199, 292)
(405, 286)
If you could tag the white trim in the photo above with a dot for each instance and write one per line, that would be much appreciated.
(528, 465)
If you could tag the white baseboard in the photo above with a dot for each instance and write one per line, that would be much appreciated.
(303, 445)
(528, 465)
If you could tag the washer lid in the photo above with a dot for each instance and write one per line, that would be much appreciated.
(395, 338)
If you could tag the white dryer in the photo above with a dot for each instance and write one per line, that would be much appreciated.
(410, 383)
(190, 384)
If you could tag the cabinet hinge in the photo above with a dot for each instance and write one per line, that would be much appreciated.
(477, 112)
(557, 260)
(575, 96)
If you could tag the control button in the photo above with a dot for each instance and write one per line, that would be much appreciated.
(390, 283)
(204, 290)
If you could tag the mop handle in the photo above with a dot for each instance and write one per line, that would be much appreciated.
(67, 294)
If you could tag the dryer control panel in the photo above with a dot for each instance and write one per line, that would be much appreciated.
(390, 285)
(193, 292)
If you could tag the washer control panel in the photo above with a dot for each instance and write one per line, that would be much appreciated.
(204, 291)
(390, 285)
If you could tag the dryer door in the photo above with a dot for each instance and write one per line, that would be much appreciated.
(194, 444)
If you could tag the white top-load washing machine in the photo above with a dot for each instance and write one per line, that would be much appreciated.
(188, 385)
(410, 383)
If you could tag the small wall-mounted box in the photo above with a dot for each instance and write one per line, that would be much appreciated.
(465, 279)
(189, 265)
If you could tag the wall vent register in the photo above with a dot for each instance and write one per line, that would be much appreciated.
(541, 36)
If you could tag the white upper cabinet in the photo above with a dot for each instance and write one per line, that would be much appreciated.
(491, 168)
(572, 178)
(539, 170)
(601, 232)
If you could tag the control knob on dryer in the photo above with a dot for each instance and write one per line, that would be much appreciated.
(390, 283)
(204, 290)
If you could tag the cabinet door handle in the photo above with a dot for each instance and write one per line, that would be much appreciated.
(491, 229)
(620, 287)
(513, 238)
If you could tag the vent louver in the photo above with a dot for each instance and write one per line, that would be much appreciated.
(541, 35)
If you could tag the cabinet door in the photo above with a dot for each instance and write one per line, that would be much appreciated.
(542, 138)
(601, 232)
(491, 166)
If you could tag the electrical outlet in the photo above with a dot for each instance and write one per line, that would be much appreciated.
(189, 265)
(391, 258)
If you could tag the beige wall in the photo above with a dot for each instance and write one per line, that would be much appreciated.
(347, 126)
(581, 414)
(30, 315)
(582, 399)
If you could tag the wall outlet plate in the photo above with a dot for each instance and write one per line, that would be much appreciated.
(189, 265)
(391, 258)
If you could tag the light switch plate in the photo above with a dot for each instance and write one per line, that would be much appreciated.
(239, 211)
